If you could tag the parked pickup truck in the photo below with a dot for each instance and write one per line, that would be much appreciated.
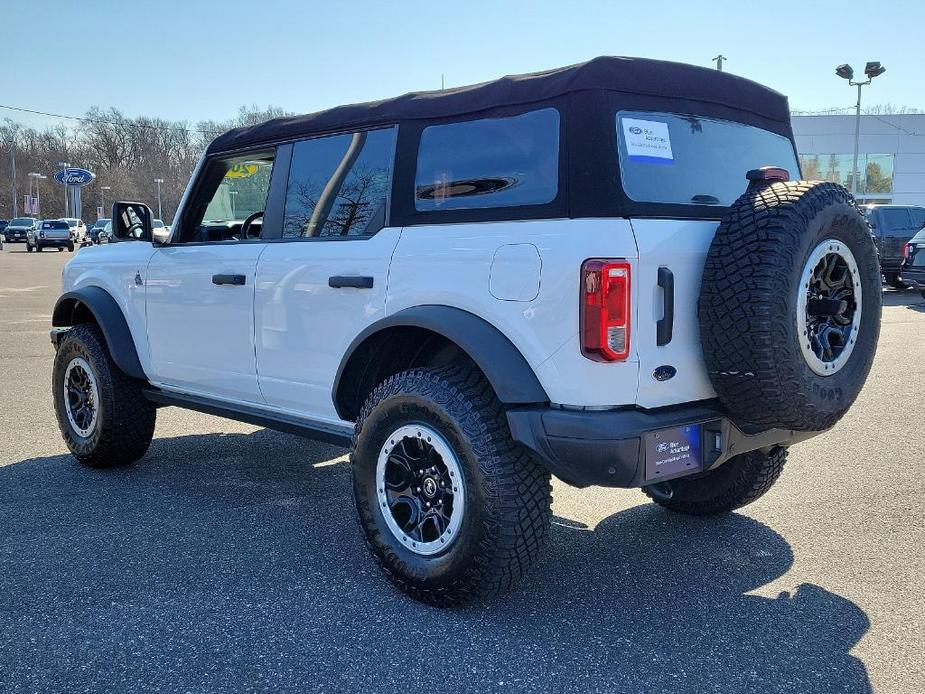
(52, 233)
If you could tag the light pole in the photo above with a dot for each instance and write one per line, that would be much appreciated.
(37, 200)
(64, 165)
(846, 72)
(103, 197)
(159, 181)
(12, 143)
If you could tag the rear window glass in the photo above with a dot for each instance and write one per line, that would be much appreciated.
(492, 162)
(55, 225)
(691, 160)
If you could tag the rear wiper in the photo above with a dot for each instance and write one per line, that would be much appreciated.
(705, 199)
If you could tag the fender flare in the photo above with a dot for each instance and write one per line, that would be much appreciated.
(109, 317)
(506, 369)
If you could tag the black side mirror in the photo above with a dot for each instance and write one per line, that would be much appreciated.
(131, 221)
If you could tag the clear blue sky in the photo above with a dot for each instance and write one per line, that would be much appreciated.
(197, 59)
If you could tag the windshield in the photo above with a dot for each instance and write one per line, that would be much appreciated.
(691, 160)
(22, 221)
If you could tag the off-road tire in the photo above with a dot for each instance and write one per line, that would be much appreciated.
(125, 418)
(508, 494)
(737, 482)
(748, 305)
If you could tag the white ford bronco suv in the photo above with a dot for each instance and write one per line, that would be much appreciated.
(608, 272)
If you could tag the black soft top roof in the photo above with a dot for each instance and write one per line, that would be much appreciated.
(637, 76)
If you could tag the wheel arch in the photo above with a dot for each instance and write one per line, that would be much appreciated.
(425, 335)
(96, 305)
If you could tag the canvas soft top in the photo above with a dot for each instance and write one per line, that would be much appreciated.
(640, 77)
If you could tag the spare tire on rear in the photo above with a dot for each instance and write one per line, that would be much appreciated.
(789, 305)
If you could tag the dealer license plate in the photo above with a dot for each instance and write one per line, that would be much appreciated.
(670, 452)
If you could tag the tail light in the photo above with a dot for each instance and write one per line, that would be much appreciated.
(907, 249)
(605, 309)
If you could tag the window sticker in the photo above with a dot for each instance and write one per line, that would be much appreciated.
(647, 141)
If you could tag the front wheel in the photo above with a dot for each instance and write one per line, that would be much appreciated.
(29, 247)
(103, 415)
(451, 507)
(737, 482)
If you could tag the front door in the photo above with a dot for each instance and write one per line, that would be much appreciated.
(325, 280)
(200, 286)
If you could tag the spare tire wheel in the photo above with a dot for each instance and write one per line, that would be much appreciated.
(789, 305)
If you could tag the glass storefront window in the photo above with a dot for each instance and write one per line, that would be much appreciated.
(876, 171)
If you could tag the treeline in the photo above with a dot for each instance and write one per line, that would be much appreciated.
(126, 154)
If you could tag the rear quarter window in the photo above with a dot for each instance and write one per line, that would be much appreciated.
(895, 218)
(491, 162)
(692, 160)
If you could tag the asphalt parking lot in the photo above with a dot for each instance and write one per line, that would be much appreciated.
(228, 559)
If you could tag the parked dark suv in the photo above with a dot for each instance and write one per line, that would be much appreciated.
(893, 226)
(913, 270)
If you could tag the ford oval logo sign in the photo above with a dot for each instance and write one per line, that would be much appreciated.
(74, 177)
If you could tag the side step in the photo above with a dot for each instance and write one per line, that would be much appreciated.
(319, 431)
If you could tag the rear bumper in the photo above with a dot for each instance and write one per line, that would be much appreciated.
(53, 243)
(607, 448)
(914, 276)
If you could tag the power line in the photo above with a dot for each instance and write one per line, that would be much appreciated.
(128, 123)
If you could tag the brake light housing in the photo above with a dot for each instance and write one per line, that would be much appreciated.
(606, 286)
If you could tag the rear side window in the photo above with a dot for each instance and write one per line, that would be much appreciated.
(918, 217)
(492, 162)
(339, 185)
(895, 218)
(691, 160)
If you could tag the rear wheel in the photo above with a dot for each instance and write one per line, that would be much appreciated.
(29, 247)
(105, 419)
(894, 280)
(38, 248)
(737, 482)
(451, 507)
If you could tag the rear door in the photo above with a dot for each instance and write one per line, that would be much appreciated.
(897, 225)
(325, 279)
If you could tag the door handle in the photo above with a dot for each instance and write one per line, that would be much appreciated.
(358, 282)
(237, 280)
(664, 327)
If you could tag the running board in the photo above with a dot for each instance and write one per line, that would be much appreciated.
(319, 431)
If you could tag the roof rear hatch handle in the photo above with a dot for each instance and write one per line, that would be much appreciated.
(665, 325)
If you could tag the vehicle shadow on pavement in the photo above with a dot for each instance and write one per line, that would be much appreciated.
(229, 563)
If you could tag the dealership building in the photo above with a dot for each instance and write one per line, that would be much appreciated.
(891, 161)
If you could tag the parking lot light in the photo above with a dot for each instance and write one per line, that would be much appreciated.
(159, 181)
(846, 72)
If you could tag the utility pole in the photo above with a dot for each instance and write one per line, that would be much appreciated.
(719, 61)
(12, 142)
